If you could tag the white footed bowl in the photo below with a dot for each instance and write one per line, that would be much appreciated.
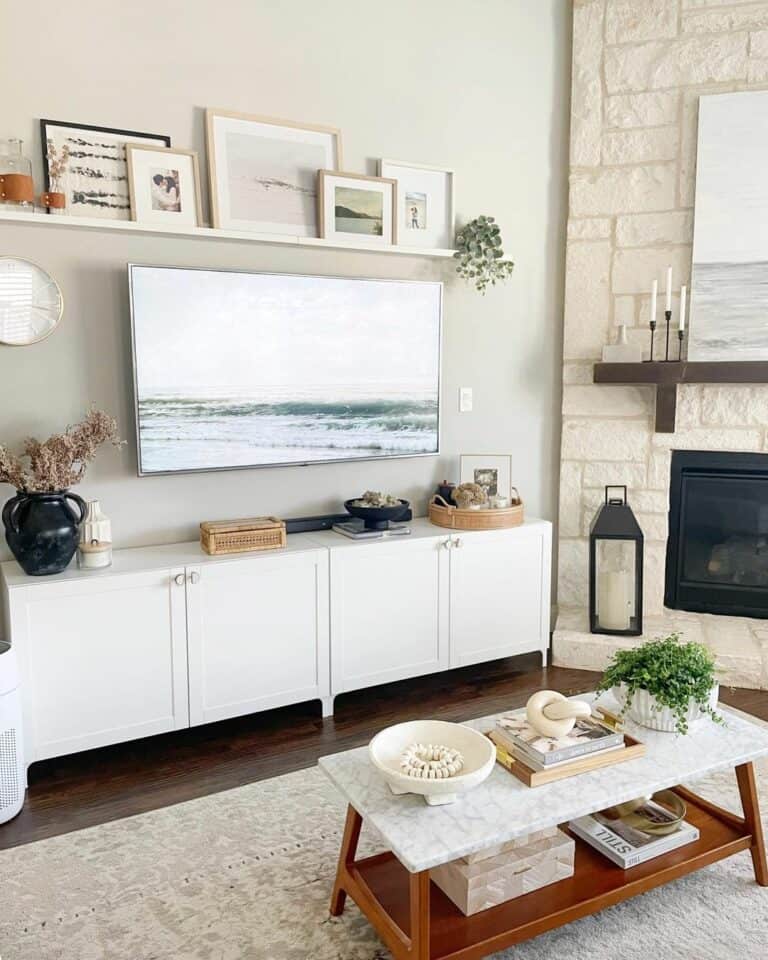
(387, 747)
(646, 711)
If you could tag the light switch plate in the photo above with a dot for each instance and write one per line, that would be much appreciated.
(465, 399)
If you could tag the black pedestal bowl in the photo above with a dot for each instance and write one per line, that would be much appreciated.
(377, 518)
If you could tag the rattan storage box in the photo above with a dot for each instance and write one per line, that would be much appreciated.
(523, 866)
(240, 536)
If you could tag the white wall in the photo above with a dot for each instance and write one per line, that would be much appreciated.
(479, 87)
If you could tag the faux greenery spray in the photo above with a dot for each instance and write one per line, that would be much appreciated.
(674, 673)
(479, 253)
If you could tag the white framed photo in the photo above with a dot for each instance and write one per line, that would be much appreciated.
(164, 185)
(426, 203)
(263, 172)
(493, 472)
(357, 208)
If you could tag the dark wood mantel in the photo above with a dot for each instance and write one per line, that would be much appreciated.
(666, 376)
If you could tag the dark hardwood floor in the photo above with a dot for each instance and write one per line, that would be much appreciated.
(97, 786)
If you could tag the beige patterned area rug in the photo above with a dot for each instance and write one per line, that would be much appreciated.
(246, 875)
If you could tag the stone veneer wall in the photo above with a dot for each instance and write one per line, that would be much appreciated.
(639, 67)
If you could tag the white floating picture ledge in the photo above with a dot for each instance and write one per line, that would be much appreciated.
(205, 233)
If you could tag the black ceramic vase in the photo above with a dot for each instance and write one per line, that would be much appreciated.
(42, 530)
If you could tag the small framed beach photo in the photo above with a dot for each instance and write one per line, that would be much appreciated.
(425, 203)
(493, 472)
(164, 185)
(357, 208)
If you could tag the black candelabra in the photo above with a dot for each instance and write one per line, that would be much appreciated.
(667, 317)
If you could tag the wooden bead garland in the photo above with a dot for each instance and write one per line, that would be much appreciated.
(431, 761)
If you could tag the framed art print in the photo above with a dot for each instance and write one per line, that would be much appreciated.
(357, 208)
(91, 168)
(164, 185)
(425, 201)
(730, 239)
(493, 472)
(263, 172)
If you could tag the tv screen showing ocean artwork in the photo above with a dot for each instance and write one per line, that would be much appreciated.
(729, 299)
(252, 369)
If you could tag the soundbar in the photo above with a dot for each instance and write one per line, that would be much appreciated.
(324, 522)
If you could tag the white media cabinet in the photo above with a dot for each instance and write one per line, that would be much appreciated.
(168, 637)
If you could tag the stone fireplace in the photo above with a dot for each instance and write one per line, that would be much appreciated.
(638, 73)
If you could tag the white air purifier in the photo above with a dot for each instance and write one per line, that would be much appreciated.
(11, 743)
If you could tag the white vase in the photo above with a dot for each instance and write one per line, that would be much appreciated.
(96, 525)
(647, 712)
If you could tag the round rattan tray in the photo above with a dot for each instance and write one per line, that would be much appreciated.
(444, 515)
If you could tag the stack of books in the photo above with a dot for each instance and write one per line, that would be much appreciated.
(536, 760)
(627, 846)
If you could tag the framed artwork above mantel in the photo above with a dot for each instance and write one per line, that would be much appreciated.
(730, 242)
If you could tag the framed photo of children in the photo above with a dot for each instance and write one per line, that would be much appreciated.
(426, 203)
(493, 472)
(164, 185)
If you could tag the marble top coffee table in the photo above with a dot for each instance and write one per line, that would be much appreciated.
(417, 921)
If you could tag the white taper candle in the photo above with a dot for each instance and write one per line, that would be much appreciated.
(682, 308)
(654, 295)
(669, 289)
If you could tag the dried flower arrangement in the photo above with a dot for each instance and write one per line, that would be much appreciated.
(372, 498)
(57, 164)
(60, 461)
(469, 495)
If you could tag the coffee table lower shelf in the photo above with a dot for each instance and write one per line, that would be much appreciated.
(416, 920)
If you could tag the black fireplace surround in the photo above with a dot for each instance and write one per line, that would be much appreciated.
(717, 552)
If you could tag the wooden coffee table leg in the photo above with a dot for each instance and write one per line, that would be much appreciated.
(745, 777)
(346, 859)
(419, 915)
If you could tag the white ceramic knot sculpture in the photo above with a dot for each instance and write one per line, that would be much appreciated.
(430, 761)
(553, 715)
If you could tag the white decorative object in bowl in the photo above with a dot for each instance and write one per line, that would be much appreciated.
(646, 710)
(387, 748)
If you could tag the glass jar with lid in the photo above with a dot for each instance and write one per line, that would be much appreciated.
(16, 185)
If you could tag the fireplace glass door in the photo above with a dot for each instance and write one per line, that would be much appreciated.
(717, 558)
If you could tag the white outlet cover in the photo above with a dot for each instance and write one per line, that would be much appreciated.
(465, 399)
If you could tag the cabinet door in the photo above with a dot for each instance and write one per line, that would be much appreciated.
(389, 611)
(258, 634)
(499, 594)
(102, 660)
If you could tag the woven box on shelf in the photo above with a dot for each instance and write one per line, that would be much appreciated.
(240, 536)
(475, 883)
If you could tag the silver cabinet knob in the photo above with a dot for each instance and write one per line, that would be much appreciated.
(194, 576)
(447, 544)
(179, 578)
(457, 543)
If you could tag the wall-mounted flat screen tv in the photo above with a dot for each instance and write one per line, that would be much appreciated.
(236, 369)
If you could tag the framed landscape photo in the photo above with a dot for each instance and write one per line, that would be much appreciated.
(164, 185)
(91, 166)
(730, 240)
(426, 203)
(493, 472)
(357, 208)
(263, 172)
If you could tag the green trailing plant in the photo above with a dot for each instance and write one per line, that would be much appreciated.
(674, 673)
(480, 255)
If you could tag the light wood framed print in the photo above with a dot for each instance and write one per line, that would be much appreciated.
(164, 185)
(357, 208)
(426, 203)
(263, 171)
(492, 471)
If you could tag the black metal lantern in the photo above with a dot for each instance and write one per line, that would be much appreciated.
(616, 568)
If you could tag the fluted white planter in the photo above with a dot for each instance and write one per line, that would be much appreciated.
(645, 709)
